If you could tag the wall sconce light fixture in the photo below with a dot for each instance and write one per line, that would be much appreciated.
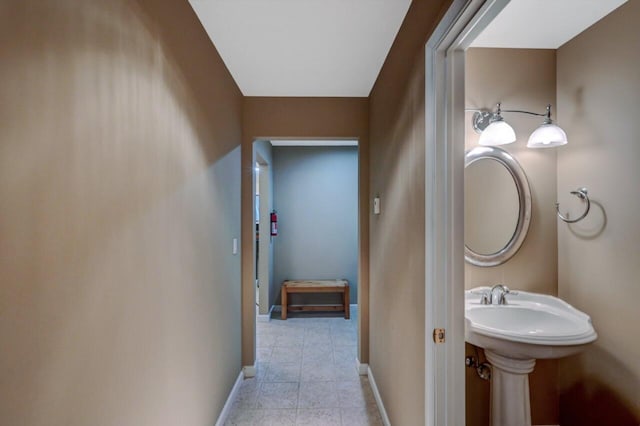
(495, 131)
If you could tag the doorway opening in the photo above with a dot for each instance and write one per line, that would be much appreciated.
(311, 188)
(535, 75)
(314, 187)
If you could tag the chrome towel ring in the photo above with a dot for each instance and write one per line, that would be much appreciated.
(582, 194)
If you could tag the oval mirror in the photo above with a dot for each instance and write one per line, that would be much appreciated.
(497, 206)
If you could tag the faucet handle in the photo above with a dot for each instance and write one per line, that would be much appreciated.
(503, 297)
(507, 291)
(484, 296)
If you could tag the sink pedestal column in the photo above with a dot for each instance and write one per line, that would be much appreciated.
(510, 404)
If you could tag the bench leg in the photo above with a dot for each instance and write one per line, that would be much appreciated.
(284, 303)
(347, 306)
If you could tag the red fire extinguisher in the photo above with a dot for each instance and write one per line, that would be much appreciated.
(274, 223)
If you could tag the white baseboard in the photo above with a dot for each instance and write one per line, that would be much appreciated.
(226, 410)
(363, 369)
(376, 394)
(249, 371)
(265, 317)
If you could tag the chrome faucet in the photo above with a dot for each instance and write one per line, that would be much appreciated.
(497, 294)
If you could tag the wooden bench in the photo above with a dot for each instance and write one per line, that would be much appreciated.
(315, 286)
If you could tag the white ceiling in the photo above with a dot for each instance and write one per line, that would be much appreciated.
(543, 24)
(302, 47)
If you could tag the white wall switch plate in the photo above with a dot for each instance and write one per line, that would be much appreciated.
(376, 205)
(235, 246)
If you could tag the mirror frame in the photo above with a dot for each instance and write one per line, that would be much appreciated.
(524, 212)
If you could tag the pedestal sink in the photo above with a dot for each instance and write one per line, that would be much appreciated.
(529, 326)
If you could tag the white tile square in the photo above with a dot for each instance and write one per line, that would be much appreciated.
(317, 395)
(286, 354)
(318, 417)
(317, 354)
(264, 353)
(355, 394)
(344, 354)
(287, 340)
(277, 395)
(247, 394)
(324, 372)
(283, 372)
(363, 416)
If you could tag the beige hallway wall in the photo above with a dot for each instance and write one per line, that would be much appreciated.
(397, 298)
(265, 118)
(119, 192)
(599, 272)
(522, 79)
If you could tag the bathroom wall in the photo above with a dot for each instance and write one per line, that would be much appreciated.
(119, 192)
(316, 196)
(266, 118)
(397, 299)
(521, 79)
(599, 271)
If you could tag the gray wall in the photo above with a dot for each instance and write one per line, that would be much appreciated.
(316, 196)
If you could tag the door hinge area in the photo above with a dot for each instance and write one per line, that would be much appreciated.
(438, 335)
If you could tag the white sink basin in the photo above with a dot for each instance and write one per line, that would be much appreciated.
(530, 326)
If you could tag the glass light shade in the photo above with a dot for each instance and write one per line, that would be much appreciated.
(497, 133)
(547, 136)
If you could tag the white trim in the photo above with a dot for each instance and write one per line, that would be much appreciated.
(265, 317)
(363, 369)
(444, 206)
(226, 410)
(376, 395)
(249, 371)
(314, 142)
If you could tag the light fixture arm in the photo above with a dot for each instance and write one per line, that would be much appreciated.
(482, 118)
(525, 112)
(547, 113)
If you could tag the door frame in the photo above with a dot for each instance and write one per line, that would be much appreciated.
(248, 311)
(444, 205)
(264, 244)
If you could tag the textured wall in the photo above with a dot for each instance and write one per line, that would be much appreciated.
(316, 196)
(397, 298)
(599, 272)
(119, 192)
(527, 81)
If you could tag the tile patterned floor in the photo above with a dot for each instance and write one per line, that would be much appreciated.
(306, 375)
